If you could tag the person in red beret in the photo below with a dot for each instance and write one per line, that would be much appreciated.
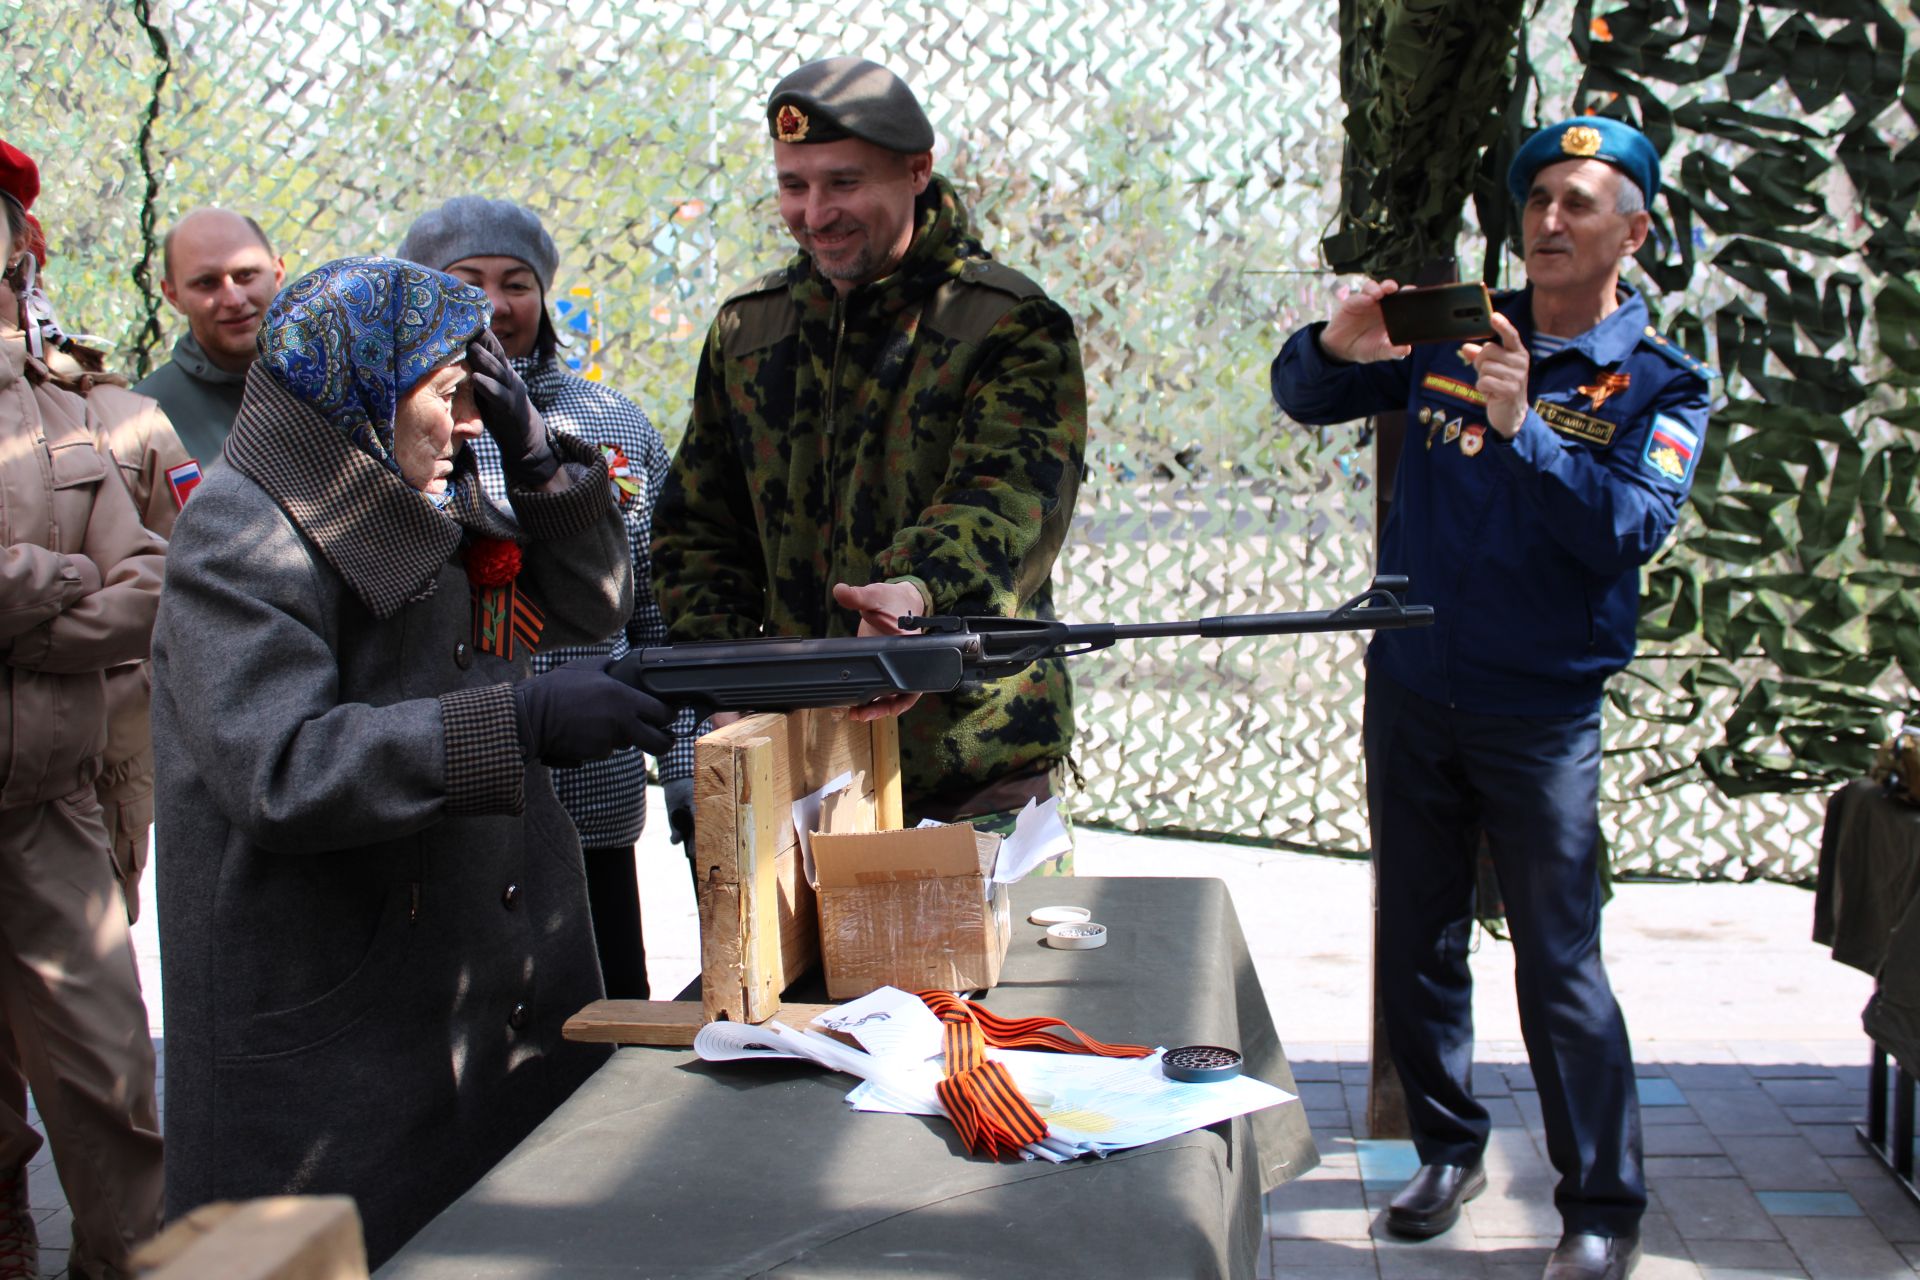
(79, 586)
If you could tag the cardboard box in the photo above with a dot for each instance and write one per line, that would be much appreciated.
(910, 909)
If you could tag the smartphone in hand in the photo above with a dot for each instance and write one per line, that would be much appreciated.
(1438, 313)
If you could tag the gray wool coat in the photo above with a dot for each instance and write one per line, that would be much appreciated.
(373, 911)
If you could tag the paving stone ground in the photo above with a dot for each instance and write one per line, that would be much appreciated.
(1746, 1038)
(1752, 1163)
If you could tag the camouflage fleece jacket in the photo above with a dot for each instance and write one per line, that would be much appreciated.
(926, 428)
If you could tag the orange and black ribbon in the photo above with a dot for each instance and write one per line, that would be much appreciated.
(1604, 387)
(502, 616)
(993, 1117)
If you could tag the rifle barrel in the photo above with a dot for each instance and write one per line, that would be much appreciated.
(1277, 624)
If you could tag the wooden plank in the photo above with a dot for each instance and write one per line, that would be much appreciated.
(801, 1016)
(759, 807)
(276, 1238)
(654, 1022)
(663, 1023)
(884, 749)
(799, 919)
(720, 968)
(714, 768)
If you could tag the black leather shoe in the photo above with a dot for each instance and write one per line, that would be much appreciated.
(1582, 1255)
(1430, 1202)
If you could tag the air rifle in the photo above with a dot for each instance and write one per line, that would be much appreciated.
(946, 653)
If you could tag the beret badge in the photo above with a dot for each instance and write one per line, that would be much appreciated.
(1581, 140)
(790, 124)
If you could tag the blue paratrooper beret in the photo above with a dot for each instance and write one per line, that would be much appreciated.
(1587, 138)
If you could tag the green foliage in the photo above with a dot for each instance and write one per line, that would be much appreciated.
(1425, 83)
(1789, 134)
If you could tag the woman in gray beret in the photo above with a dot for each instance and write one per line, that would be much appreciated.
(372, 909)
(501, 247)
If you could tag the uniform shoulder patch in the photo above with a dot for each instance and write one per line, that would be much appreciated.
(758, 316)
(775, 279)
(967, 307)
(995, 275)
(1653, 340)
(1672, 449)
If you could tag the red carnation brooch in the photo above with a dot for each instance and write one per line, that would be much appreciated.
(620, 472)
(501, 615)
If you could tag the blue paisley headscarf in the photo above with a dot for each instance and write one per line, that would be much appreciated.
(354, 336)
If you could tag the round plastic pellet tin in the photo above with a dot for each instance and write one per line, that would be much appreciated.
(1077, 935)
(1200, 1064)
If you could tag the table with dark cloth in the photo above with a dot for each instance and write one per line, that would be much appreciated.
(1867, 908)
(663, 1165)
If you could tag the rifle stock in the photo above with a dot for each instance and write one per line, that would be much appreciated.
(947, 653)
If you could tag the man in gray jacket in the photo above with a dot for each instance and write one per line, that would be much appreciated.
(220, 272)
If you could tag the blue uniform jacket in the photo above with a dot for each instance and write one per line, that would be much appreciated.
(1529, 551)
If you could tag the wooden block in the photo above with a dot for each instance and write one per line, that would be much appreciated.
(884, 747)
(799, 919)
(277, 1238)
(759, 806)
(654, 1022)
(721, 982)
(663, 1023)
(800, 1016)
(759, 929)
(759, 921)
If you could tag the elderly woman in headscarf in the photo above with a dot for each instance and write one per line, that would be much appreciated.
(373, 911)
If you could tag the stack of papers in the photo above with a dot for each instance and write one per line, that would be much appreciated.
(1092, 1105)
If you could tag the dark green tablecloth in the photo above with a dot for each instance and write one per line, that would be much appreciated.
(1867, 908)
(662, 1165)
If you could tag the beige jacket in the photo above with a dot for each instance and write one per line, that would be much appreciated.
(135, 431)
(79, 583)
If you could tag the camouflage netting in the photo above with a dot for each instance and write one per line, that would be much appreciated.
(1167, 167)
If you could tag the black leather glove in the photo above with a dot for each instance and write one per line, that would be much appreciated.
(578, 713)
(678, 794)
(507, 412)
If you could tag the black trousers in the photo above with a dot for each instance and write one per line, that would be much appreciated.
(613, 898)
(1437, 778)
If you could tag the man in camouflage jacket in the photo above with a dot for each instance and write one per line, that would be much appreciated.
(893, 423)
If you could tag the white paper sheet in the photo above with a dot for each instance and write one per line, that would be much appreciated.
(1096, 1104)
(806, 820)
(896, 1083)
(891, 1024)
(1127, 1102)
(732, 1041)
(1038, 834)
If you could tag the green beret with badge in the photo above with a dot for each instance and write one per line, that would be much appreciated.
(1612, 142)
(838, 98)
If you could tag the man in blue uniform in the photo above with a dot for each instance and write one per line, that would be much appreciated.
(1542, 469)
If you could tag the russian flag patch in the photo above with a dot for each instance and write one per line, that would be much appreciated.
(183, 480)
(1672, 448)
